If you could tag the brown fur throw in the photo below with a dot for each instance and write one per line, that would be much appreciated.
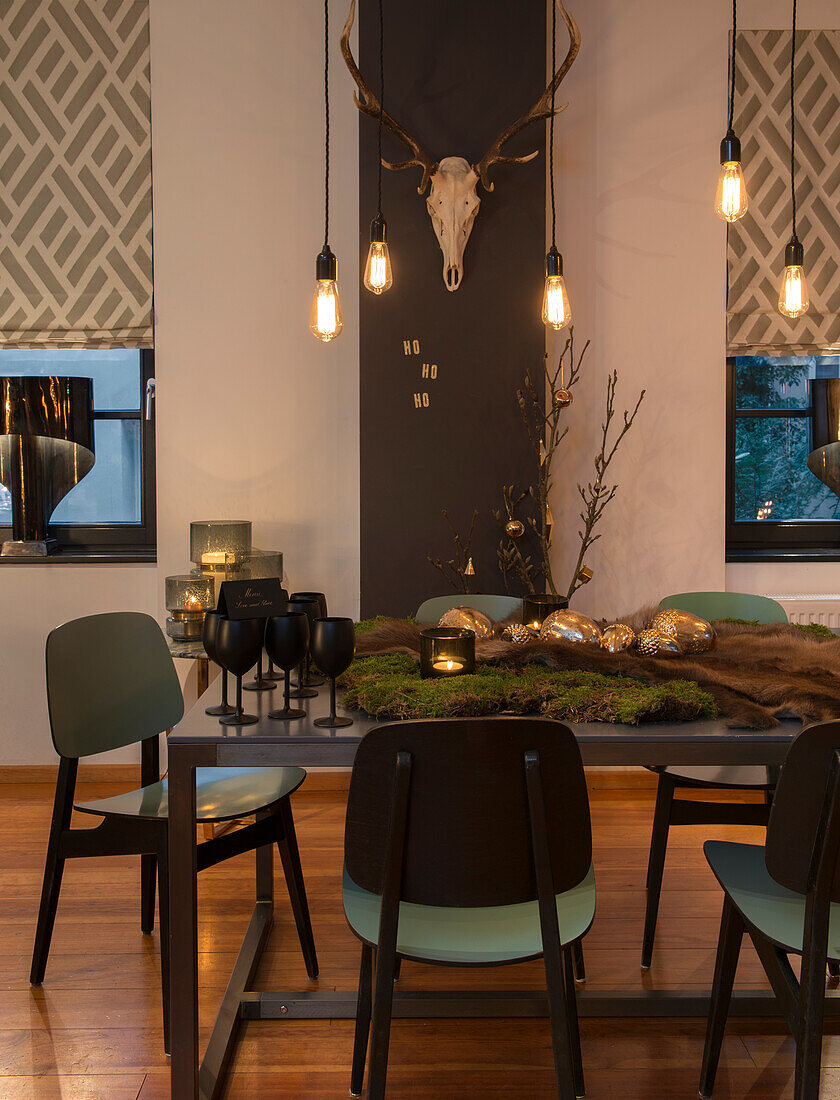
(756, 674)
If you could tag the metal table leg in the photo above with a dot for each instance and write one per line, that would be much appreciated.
(183, 923)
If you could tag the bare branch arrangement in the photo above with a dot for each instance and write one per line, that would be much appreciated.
(458, 570)
(597, 494)
(545, 433)
(512, 562)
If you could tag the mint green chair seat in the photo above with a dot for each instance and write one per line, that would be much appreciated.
(727, 605)
(222, 794)
(674, 811)
(472, 936)
(494, 607)
(773, 910)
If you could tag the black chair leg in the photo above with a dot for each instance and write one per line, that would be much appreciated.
(363, 1007)
(381, 1024)
(569, 957)
(46, 914)
(560, 1024)
(54, 868)
(163, 893)
(834, 968)
(290, 857)
(148, 874)
(806, 1084)
(726, 963)
(656, 863)
(397, 969)
(577, 959)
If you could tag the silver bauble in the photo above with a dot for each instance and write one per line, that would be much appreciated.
(617, 637)
(571, 626)
(467, 618)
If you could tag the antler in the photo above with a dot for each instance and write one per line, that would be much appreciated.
(538, 113)
(369, 105)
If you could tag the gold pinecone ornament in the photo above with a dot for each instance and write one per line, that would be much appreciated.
(517, 633)
(694, 634)
(653, 643)
(618, 637)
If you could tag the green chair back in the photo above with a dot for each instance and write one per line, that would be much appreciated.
(797, 823)
(110, 682)
(468, 839)
(495, 607)
(727, 605)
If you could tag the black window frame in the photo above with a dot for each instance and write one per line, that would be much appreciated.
(124, 542)
(769, 540)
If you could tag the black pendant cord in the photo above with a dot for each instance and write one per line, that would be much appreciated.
(551, 124)
(326, 124)
(732, 65)
(793, 125)
(381, 108)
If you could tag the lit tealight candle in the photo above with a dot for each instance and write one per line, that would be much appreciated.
(214, 557)
(447, 665)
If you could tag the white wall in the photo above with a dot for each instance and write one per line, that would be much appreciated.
(644, 256)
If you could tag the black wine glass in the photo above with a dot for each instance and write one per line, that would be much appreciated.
(310, 680)
(260, 682)
(239, 643)
(310, 607)
(333, 645)
(208, 637)
(286, 641)
(271, 672)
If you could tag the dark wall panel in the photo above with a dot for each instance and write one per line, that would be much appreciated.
(456, 75)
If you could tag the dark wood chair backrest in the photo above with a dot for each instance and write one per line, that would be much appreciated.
(468, 833)
(798, 817)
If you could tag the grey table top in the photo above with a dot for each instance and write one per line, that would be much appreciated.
(301, 742)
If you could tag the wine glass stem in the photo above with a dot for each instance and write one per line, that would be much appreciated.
(286, 687)
(259, 668)
(332, 699)
(224, 688)
(238, 696)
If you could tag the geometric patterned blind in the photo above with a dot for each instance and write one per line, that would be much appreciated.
(756, 243)
(75, 174)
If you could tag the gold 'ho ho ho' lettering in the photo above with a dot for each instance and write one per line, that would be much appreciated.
(421, 401)
(429, 370)
(411, 347)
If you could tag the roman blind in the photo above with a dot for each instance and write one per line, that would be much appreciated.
(757, 241)
(75, 174)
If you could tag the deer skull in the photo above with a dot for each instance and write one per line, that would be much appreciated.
(453, 200)
(453, 203)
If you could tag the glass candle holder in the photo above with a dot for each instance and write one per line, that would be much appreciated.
(446, 651)
(188, 597)
(220, 545)
(537, 607)
(259, 564)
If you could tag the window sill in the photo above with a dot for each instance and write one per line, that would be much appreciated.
(779, 554)
(87, 557)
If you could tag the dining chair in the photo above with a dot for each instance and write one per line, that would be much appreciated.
(784, 895)
(494, 607)
(111, 683)
(467, 843)
(670, 810)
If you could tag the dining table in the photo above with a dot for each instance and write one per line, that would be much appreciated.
(200, 741)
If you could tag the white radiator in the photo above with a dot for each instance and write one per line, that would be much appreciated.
(811, 607)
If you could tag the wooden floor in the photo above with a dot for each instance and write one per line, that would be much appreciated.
(93, 1031)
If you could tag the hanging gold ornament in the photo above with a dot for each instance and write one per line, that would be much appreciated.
(470, 570)
(652, 643)
(617, 637)
(562, 398)
(517, 633)
(543, 453)
(514, 528)
(585, 574)
(694, 634)
(549, 523)
(467, 618)
(570, 626)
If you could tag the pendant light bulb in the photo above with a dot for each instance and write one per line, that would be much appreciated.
(556, 310)
(793, 295)
(325, 320)
(378, 275)
(731, 200)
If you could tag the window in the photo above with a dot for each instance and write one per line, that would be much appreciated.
(111, 512)
(775, 506)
